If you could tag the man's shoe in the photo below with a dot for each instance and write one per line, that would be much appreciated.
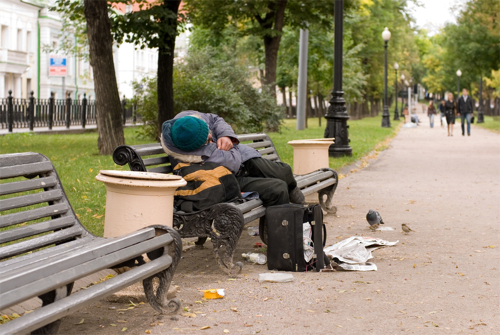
(468, 134)
(296, 196)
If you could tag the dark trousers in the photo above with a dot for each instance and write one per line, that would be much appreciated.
(465, 117)
(272, 180)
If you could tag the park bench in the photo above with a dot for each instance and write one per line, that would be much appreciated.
(223, 223)
(44, 249)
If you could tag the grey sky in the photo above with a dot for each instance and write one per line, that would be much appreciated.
(433, 14)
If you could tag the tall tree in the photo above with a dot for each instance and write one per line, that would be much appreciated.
(263, 18)
(154, 25)
(108, 106)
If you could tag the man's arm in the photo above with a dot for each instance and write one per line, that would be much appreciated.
(221, 128)
(230, 159)
(458, 106)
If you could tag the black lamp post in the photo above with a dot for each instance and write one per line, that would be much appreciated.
(459, 74)
(386, 118)
(403, 99)
(396, 113)
(480, 115)
(336, 116)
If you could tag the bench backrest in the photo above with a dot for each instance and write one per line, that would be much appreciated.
(152, 158)
(34, 210)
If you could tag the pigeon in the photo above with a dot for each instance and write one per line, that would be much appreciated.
(374, 219)
(405, 228)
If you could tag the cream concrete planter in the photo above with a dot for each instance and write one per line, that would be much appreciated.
(310, 155)
(137, 199)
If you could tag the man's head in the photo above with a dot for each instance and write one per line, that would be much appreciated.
(189, 133)
(464, 92)
(442, 102)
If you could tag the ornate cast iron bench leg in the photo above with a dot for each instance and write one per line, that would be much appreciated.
(223, 223)
(327, 205)
(158, 299)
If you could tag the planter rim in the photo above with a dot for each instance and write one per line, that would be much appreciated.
(153, 183)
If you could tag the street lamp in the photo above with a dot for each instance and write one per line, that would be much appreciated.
(336, 116)
(403, 99)
(459, 74)
(480, 115)
(386, 120)
(396, 113)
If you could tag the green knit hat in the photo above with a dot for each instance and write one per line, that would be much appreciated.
(189, 133)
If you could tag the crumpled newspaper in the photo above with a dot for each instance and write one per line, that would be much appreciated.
(353, 253)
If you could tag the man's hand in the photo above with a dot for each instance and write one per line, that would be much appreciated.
(224, 143)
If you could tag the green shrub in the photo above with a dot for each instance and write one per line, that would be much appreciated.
(210, 82)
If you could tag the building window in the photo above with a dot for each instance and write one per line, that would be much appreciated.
(4, 37)
(28, 41)
(20, 40)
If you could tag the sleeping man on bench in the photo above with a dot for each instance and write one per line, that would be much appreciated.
(194, 137)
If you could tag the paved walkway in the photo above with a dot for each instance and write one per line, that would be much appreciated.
(442, 278)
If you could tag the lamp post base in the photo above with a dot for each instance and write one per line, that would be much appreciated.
(336, 126)
(480, 117)
(396, 114)
(386, 118)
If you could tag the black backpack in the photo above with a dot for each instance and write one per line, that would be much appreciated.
(207, 184)
(284, 228)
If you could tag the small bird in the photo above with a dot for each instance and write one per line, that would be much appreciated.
(405, 228)
(374, 219)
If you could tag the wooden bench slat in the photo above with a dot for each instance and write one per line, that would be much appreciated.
(71, 304)
(26, 169)
(46, 283)
(252, 137)
(156, 161)
(27, 185)
(314, 178)
(33, 214)
(267, 151)
(300, 177)
(24, 275)
(271, 157)
(249, 205)
(254, 214)
(161, 169)
(31, 258)
(36, 228)
(263, 144)
(21, 158)
(30, 199)
(319, 186)
(39, 242)
(152, 150)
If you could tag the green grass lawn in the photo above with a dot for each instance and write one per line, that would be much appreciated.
(490, 122)
(77, 161)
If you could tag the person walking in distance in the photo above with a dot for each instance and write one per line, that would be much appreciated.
(442, 111)
(431, 113)
(464, 109)
(450, 110)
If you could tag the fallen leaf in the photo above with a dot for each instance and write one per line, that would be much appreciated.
(460, 273)
(81, 322)
(147, 331)
(359, 282)
(124, 329)
(415, 265)
(339, 326)
(433, 312)
(265, 299)
(189, 315)
(205, 327)
(112, 325)
(310, 311)
(234, 309)
(342, 291)
(226, 331)
(492, 246)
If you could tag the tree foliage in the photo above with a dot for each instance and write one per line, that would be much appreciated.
(212, 81)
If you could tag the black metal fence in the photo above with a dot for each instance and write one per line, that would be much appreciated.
(37, 113)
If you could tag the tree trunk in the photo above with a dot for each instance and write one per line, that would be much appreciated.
(107, 98)
(165, 74)
(272, 41)
(290, 105)
(283, 95)
(319, 109)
